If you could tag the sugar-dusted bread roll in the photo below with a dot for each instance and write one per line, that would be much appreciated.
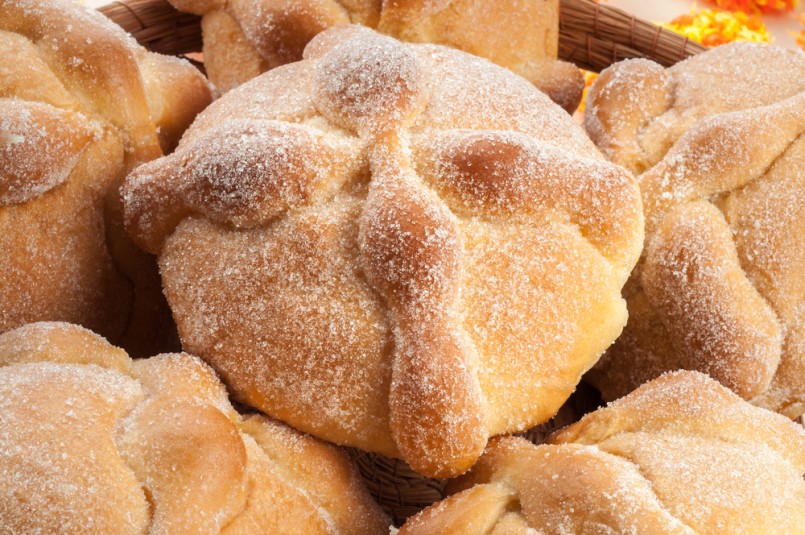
(94, 442)
(397, 247)
(719, 141)
(680, 455)
(243, 38)
(637, 110)
(80, 105)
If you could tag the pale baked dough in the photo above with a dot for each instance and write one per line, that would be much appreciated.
(398, 247)
(94, 442)
(80, 105)
(718, 140)
(243, 38)
(681, 454)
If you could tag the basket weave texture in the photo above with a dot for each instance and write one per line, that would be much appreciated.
(594, 36)
(399, 490)
(402, 492)
(157, 25)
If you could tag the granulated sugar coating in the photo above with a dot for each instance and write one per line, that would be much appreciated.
(400, 248)
(721, 285)
(637, 110)
(81, 103)
(680, 455)
(93, 442)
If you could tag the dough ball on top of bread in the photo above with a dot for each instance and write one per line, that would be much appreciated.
(397, 247)
(718, 142)
(94, 442)
(81, 104)
(243, 38)
(682, 454)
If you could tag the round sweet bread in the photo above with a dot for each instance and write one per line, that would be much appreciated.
(397, 247)
(243, 38)
(681, 454)
(80, 105)
(718, 140)
(94, 442)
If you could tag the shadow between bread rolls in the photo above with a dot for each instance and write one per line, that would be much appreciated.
(94, 442)
(397, 247)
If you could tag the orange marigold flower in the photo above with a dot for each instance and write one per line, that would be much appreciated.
(712, 27)
(757, 6)
(589, 78)
(800, 37)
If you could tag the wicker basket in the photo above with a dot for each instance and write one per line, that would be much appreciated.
(399, 490)
(595, 36)
(157, 26)
(402, 492)
(592, 36)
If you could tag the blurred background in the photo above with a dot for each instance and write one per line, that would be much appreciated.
(782, 25)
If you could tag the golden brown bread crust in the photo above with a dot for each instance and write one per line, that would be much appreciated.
(80, 105)
(383, 246)
(681, 454)
(720, 286)
(93, 442)
(243, 38)
(521, 35)
(637, 110)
